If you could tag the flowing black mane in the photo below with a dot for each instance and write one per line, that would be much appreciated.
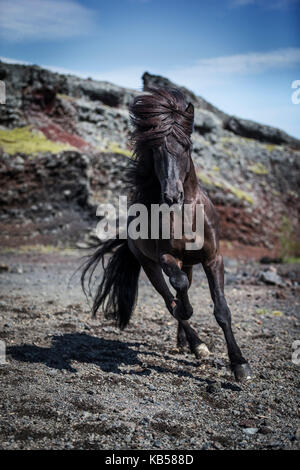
(158, 115)
(159, 118)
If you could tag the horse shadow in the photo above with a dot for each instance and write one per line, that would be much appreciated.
(107, 354)
(81, 347)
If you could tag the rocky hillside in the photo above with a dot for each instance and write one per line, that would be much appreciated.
(64, 147)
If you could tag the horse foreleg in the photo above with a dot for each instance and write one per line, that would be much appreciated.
(180, 282)
(214, 270)
(185, 331)
(181, 279)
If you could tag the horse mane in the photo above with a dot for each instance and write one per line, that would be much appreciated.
(158, 115)
(158, 118)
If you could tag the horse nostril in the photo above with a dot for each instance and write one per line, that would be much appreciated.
(168, 199)
(172, 199)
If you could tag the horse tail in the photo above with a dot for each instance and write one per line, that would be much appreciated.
(117, 292)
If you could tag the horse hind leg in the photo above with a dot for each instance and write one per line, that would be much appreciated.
(182, 341)
(215, 274)
(197, 347)
(181, 280)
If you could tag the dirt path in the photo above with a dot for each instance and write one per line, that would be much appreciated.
(74, 382)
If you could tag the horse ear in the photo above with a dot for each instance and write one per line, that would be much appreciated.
(190, 109)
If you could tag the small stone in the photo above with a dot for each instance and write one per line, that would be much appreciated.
(250, 431)
(247, 423)
(265, 430)
(280, 295)
(212, 388)
(82, 245)
(271, 278)
(152, 387)
(4, 267)
(297, 435)
(230, 386)
(17, 269)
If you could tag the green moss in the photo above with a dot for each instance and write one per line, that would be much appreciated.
(216, 168)
(289, 245)
(262, 311)
(28, 141)
(258, 169)
(292, 260)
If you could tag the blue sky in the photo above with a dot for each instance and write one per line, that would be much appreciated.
(241, 55)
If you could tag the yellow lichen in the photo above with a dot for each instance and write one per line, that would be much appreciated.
(226, 139)
(65, 97)
(270, 147)
(114, 147)
(236, 191)
(29, 142)
(262, 311)
(258, 169)
(41, 249)
(277, 313)
(241, 194)
(205, 179)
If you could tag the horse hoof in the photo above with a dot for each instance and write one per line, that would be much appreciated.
(242, 372)
(201, 351)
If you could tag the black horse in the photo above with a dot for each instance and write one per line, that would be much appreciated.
(163, 172)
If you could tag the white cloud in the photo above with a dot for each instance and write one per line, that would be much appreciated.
(211, 71)
(43, 19)
(129, 77)
(216, 70)
(8, 60)
(272, 5)
(218, 80)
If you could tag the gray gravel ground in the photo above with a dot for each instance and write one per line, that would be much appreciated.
(72, 382)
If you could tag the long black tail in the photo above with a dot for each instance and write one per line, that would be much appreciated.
(117, 291)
